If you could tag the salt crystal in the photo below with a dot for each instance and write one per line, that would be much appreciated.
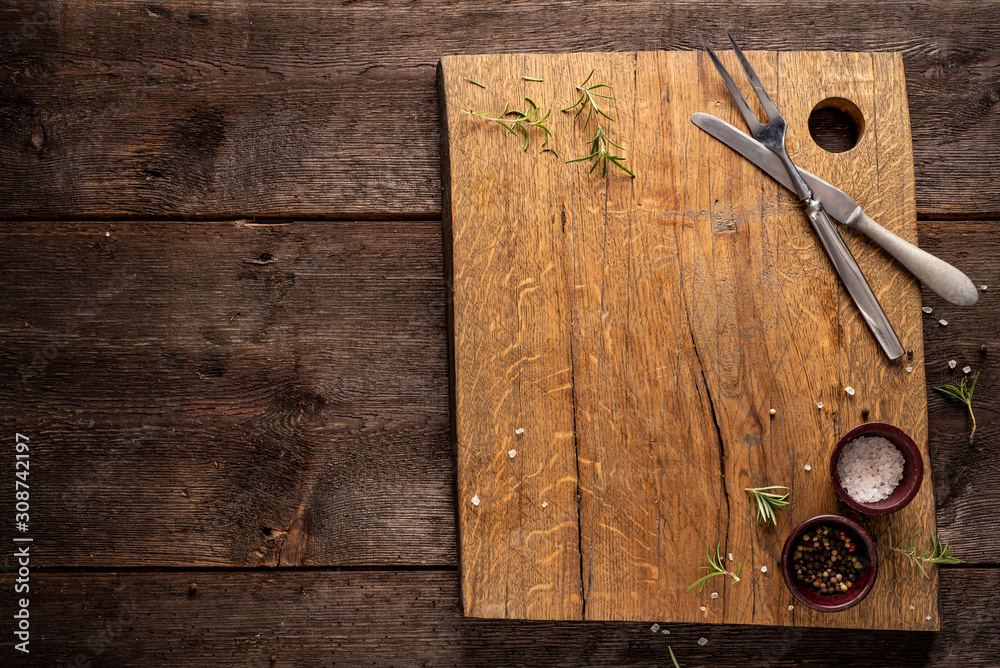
(665, 632)
(870, 468)
(702, 641)
(952, 364)
(703, 608)
(807, 467)
(944, 323)
(654, 628)
(108, 234)
(909, 369)
(849, 390)
(763, 569)
(545, 504)
(475, 500)
(730, 556)
(982, 288)
(715, 594)
(928, 618)
(519, 431)
(820, 405)
(511, 453)
(791, 607)
(966, 369)
(911, 607)
(927, 309)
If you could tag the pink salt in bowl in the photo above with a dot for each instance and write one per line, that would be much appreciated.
(913, 469)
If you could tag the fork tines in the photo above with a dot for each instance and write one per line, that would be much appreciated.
(755, 125)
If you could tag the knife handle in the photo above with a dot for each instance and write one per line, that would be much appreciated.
(855, 282)
(935, 273)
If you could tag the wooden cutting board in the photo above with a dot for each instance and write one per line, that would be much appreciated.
(618, 343)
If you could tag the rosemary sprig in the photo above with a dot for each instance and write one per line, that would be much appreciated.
(768, 502)
(587, 99)
(963, 394)
(672, 657)
(714, 568)
(519, 122)
(474, 82)
(601, 154)
(937, 553)
(526, 78)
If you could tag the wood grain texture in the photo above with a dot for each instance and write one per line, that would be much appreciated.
(394, 618)
(83, 360)
(295, 108)
(230, 394)
(700, 300)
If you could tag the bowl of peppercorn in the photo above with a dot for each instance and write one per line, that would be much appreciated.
(829, 563)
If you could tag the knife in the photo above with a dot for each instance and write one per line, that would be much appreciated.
(936, 274)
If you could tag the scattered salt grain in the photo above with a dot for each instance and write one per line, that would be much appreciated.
(763, 569)
(519, 431)
(654, 628)
(773, 412)
(909, 369)
(911, 607)
(952, 364)
(982, 288)
(870, 467)
(791, 607)
(928, 618)
(849, 390)
(545, 504)
(702, 641)
(108, 234)
(927, 309)
(511, 453)
(819, 405)
(475, 500)
(703, 608)
(665, 632)
(807, 467)
(715, 594)
(943, 323)
(730, 556)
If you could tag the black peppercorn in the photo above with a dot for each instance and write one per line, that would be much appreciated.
(823, 560)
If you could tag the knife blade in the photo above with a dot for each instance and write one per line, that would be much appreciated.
(941, 277)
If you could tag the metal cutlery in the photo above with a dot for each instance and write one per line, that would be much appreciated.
(772, 135)
(941, 277)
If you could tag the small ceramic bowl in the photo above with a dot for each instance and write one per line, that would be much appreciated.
(913, 469)
(807, 595)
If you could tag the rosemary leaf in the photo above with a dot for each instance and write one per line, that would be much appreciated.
(938, 552)
(964, 394)
(715, 568)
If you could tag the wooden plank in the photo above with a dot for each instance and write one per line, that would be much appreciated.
(688, 299)
(230, 394)
(286, 108)
(513, 393)
(392, 618)
(386, 454)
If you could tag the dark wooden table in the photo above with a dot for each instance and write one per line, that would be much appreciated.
(224, 327)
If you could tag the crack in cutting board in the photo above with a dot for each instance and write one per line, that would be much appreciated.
(618, 343)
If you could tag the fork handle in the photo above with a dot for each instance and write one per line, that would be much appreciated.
(936, 274)
(849, 272)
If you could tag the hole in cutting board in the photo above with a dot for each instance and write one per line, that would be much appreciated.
(836, 124)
